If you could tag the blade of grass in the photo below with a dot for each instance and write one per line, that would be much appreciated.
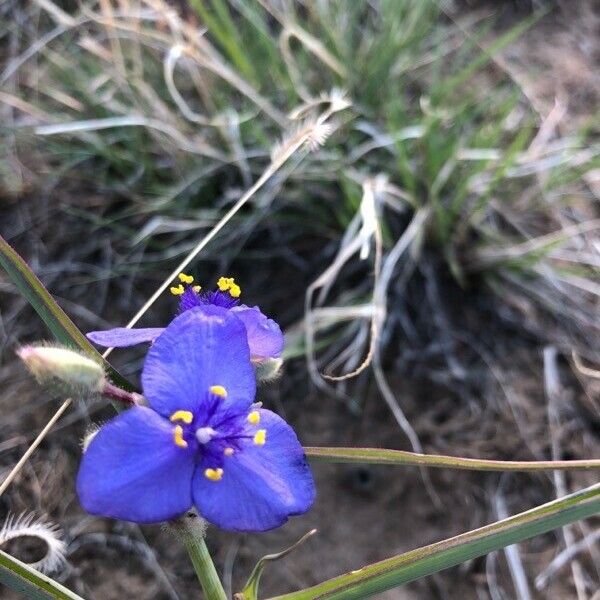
(381, 456)
(59, 324)
(424, 561)
(31, 583)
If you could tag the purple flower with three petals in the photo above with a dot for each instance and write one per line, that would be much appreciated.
(264, 335)
(202, 441)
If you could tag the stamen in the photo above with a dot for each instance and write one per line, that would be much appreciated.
(214, 474)
(178, 437)
(223, 283)
(254, 417)
(228, 451)
(205, 434)
(197, 288)
(177, 290)
(228, 284)
(185, 278)
(218, 390)
(260, 437)
(182, 415)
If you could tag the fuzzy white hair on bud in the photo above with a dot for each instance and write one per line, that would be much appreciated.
(28, 525)
(54, 364)
(268, 369)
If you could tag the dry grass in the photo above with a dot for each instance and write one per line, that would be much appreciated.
(442, 232)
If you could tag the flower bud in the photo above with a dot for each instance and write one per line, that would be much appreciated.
(51, 364)
(268, 369)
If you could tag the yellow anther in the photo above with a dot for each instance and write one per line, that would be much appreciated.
(182, 415)
(214, 474)
(228, 451)
(223, 284)
(177, 290)
(218, 390)
(260, 437)
(185, 278)
(197, 288)
(254, 417)
(178, 437)
(228, 284)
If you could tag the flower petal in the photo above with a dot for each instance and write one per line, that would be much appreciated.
(132, 470)
(264, 335)
(201, 348)
(121, 337)
(261, 486)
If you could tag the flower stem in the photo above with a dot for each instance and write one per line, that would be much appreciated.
(204, 567)
(112, 392)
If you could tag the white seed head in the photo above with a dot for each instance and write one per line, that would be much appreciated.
(27, 525)
(317, 135)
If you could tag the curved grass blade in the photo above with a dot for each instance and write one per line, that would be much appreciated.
(382, 456)
(31, 583)
(424, 561)
(59, 324)
(250, 591)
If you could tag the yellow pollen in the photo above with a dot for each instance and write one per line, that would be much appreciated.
(228, 451)
(178, 437)
(254, 417)
(197, 288)
(177, 290)
(218, 390)
(228, 284)
(214, 474)
(223, 284)
(182, 415)
(185, 278)
(260, 437)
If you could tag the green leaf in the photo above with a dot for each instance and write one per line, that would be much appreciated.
(383, 456)
(59, 324)
(31, 583)
(250, 591)
(421, 562)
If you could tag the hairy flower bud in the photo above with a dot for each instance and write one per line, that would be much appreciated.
(268, 369)
(61, 365)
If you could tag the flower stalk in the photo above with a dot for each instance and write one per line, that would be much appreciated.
(112, 392)
(193, 539)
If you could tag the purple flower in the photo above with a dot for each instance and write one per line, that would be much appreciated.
(201, 442)
(264, 335)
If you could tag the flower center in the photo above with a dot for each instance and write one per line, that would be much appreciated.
(226, 295)
(205, 434)
(229, 434)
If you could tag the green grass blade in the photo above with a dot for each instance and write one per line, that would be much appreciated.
(31, 583)
(421, 562)
(59, 324)
(383, 456)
